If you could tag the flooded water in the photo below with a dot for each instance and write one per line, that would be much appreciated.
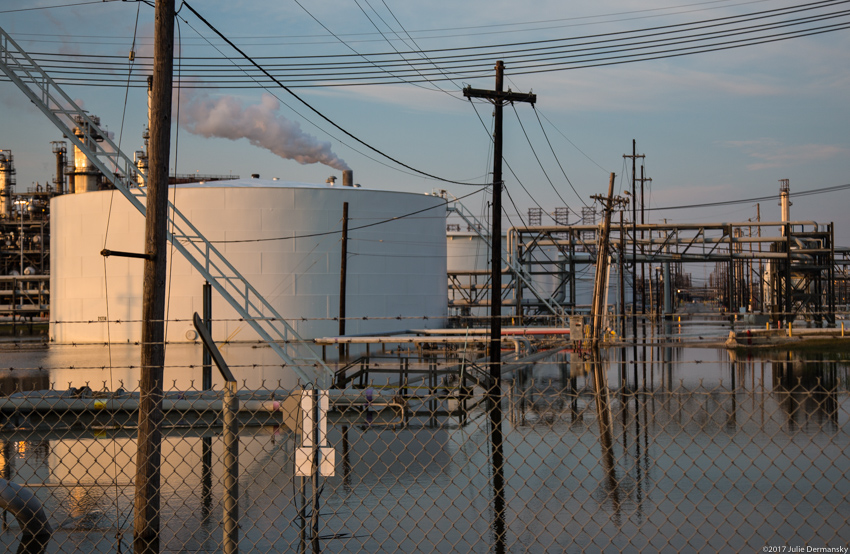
(688, 449)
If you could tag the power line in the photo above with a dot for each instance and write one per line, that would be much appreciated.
(492, 141)
(352, 48)
(679, 52)
(418, 49)
(811, 192)
(365, 226)
(53, 7)
(388, 41)
(538, 113)
(559, 161)
(525, 57)
(500, 28)
(314, 110)
(308, 120)
(345, 73)
(536, 157)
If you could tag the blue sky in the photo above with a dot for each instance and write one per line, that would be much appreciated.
(714, 126)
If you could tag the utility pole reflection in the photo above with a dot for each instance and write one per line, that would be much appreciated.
(606, 438)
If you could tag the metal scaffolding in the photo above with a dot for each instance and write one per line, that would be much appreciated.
(786, 269)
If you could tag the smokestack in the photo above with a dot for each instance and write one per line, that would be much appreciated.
(59, 149)
(141, 158)
(784, 199)
(6, 171)
(347, 178)
(86, 175)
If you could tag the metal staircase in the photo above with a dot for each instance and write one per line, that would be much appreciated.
(61, 109)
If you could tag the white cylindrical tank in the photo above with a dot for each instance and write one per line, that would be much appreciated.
(285, 238)
(468, 254)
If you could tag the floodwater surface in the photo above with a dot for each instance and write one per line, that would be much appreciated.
(687, 449)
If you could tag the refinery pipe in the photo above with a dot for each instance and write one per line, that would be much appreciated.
(22, 503)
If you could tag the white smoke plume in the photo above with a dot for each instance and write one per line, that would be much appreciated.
(227, 117)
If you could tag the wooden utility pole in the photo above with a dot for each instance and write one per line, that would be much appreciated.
(634, 158)
(761, 268)
(148, 456)
(499, 98)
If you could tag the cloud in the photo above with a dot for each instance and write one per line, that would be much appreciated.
(769, 153)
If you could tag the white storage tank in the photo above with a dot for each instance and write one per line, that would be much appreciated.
(468, 254)
(284, 237)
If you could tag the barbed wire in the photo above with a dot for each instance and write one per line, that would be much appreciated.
(391, 358)
(531, 388)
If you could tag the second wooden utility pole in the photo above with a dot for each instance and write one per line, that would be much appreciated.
(599, 297)
(148, 455)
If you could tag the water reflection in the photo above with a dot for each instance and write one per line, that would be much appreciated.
(698, 435)
(606, 438)
(709, 419)
(808, 386)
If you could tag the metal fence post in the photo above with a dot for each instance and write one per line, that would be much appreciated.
(315, 472)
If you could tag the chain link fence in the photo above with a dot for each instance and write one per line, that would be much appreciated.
(742, 465)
